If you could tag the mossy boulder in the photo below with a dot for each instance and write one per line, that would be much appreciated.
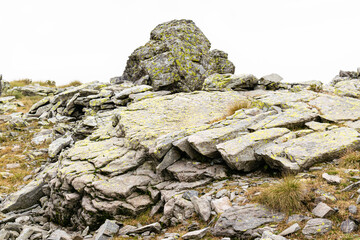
(177, 58)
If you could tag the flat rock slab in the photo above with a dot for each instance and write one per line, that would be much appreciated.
(240, 221)
(335, 108)
(239, 153)
(143, 122)
(317, 226)
(303, 152)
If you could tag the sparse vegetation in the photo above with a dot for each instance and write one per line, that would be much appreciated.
(286, 196)
(232, 108)
(26, 81)
(71, 84)
(350, 159)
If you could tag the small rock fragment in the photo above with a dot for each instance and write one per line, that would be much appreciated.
(322, 210)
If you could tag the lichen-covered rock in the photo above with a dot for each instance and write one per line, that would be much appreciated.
(303, 152)
(218, 81)
(241, 221)
(177, 58)
(239, 153)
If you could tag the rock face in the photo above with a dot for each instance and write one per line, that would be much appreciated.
(242, 221)
(177, 58)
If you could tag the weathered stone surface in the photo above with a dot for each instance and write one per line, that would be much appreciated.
(153, 227)
(290, 118)
(221, 205)
(177, 57)
(240, 221)
(198, 234)
(217, 82)
(332, 179)
(348, 226)
(317, 226)
(303, 152)
(59, 144)
(202, 207)
(267, 235)
(316, 126)
(239, 153)
(59, 235)
(107, 230)
(335, 108)
(137, 89)
(292, 229)
(188, 171)
(322, 210)
(147, 120)
(28, 195)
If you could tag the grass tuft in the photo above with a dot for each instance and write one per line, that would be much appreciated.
(232, 108)
(350, 159)
(286, 196)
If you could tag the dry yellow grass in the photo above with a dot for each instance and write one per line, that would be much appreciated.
(232, 108)
(286, 196)
(26, 81)
(71, 84)
(14, 150)
(351, 159)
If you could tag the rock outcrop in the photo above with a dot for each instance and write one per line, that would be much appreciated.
(177, 58)
(116, 150)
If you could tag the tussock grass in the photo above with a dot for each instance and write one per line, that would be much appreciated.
(232, 108)
(351, 159)
(286, 196)
(71, 84)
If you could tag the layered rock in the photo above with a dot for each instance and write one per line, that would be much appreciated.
(177, 58)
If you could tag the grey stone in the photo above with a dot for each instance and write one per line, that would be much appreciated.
(317, 226)
(59, 235)
(170, 158)
(4, 235)
(239, 153)
(154, 227)
(352, 209)
(177, 57)
(107, 230)
(348, 226)
(26, 233)
(189, 171)
(220, 205)
(241, 221)
(290, 230)
(316, 126)
(189, 194)
(198, 234)
(56, 146)
(216, 82)
(332, 179)
(202, 207)
(322, 210)
(267, 235)
(28, 195)
(303, 152)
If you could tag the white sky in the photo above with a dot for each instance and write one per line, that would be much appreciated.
(90, 40)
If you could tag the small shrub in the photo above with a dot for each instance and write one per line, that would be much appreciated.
(286, 196)
(350, 159)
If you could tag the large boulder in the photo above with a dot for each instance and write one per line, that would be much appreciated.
(177, 58)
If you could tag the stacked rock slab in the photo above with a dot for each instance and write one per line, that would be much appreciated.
(177, 58)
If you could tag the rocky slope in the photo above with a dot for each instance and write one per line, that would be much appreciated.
(147, 142)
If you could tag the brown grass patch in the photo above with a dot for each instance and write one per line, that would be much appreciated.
(286, 196)
(351, 159)
(71, 84)
(232, 108)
